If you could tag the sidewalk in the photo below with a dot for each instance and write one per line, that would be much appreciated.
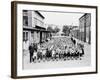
(82, 42)
(87, 50)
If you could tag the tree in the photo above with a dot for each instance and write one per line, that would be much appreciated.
(73, 27)
(56, 29)
(49, 28)
(66, 30)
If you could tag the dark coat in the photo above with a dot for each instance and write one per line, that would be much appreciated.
(31, 49)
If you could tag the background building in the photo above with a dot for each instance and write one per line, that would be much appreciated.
(85, 28)
(75, 33)
(33, 28)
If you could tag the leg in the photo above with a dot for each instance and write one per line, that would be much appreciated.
(31, 57)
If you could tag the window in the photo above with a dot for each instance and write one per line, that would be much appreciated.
(88, 20)
(32, 35)
(25, 36)
(25, 20)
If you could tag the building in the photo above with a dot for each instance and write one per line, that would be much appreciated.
(75, 32)
(85, 28)
(33, 28)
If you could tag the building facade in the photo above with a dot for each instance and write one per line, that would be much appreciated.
(75, 33)
(33, 28)
(85, 28)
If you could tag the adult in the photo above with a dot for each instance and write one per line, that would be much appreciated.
(35, 46)
(31, 50)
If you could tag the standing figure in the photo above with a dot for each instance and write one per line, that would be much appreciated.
(31, 50)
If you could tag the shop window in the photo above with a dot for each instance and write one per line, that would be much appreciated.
(25, 36)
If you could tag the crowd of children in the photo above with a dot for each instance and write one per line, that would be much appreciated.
(57, 49)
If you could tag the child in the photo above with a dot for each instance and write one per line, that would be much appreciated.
(34, 56)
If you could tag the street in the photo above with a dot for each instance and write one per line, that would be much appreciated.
(59, 41)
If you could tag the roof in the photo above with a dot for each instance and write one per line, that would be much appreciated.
(40, 14)
(38, 27)
(83, 16)
(36, 12)
(34, 29)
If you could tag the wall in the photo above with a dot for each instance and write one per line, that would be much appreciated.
(5, 40)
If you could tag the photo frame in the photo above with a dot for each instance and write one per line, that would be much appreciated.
(51, 39)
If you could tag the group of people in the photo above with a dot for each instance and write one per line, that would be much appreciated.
(57, 49)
